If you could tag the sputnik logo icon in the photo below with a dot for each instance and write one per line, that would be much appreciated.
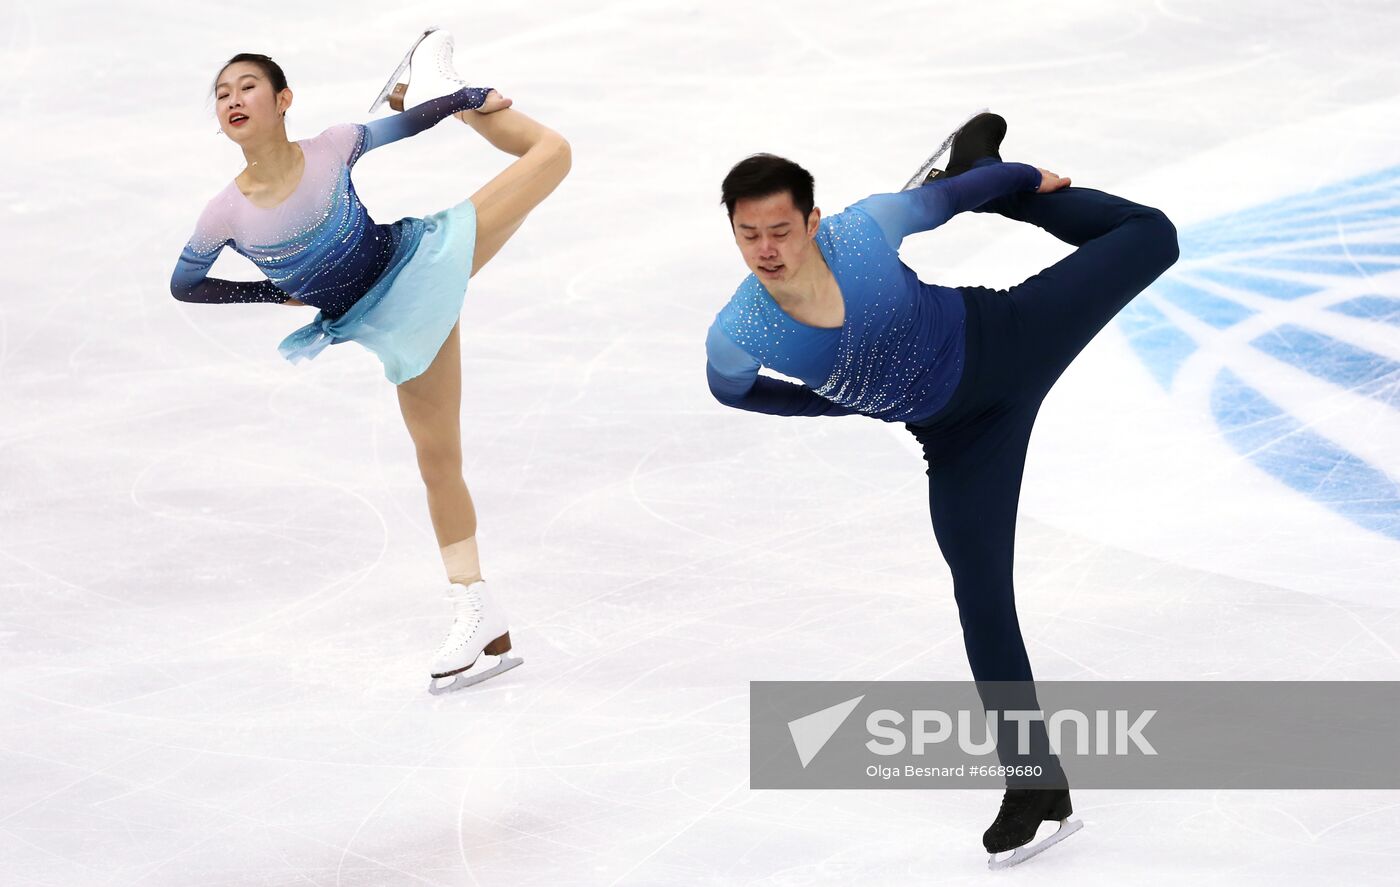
(811, 732)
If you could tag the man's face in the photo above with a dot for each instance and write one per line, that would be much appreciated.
(773, 237)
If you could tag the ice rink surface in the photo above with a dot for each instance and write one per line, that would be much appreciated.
(220, 590)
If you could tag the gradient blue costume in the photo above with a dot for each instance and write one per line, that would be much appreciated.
(989, 358)
(395, 289)
(319, 245)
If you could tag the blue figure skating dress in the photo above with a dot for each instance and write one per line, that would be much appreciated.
(396, 289)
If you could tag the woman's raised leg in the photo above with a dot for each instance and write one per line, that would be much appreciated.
(503, 203)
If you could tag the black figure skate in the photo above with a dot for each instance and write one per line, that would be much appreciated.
(1022, 812)
(980, 136)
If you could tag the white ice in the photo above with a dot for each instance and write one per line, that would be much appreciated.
(220, 590)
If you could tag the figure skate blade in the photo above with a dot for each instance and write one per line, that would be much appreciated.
(394, 77)
(1021, 854)
(474, 675)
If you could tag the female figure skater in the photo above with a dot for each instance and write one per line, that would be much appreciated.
(829, 302)
(396, 289)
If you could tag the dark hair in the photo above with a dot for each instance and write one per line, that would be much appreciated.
(762, 175)
(270, 69)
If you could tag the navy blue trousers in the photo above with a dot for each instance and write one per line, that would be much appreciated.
(1019, 341)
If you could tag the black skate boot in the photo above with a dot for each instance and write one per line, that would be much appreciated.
(979, 137)
(1022, 812)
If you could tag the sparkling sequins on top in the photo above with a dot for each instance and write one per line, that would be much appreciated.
(318, 245)
(899, 354)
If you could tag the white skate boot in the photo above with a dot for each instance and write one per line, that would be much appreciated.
(427, 67)
(477, 646)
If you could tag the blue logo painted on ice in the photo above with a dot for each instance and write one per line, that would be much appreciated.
(1299, 302)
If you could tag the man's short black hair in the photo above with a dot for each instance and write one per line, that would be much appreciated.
(763, 175)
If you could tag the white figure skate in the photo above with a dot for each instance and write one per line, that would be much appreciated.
(477, 646)
(426, 69)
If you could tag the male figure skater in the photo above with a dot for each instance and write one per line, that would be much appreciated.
(830, 303)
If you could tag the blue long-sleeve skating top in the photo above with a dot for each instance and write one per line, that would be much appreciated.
(319, 245)
(898, 355)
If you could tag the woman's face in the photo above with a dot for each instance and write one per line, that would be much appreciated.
(246, 104)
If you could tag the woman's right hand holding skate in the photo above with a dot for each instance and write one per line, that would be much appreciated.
(494, 102)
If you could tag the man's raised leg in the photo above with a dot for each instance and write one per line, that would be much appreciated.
(1122, 247)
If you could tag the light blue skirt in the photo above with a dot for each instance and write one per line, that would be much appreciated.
(409, 312)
